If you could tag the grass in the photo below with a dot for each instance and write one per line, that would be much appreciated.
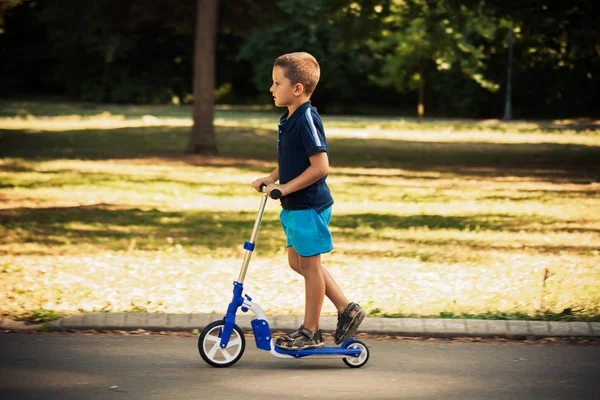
(451, 219)
(39, 316)
(62, 115)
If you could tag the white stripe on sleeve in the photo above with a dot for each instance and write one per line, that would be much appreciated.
(312, 127)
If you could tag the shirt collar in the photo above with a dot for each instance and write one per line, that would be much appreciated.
(286, 122)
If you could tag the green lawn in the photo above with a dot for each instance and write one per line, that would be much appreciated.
(100, 209)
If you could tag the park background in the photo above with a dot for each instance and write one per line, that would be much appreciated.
(464, 152)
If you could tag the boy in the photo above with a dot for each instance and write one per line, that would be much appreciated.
(302, 167)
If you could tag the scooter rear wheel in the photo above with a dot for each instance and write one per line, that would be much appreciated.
(211, 351)
(357, 362)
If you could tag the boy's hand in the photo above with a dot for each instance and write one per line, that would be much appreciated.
(273, 186)
(267, 180)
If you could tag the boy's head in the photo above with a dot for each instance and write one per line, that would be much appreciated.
(294, 75)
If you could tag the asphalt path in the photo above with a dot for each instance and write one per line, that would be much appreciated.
(77, 366)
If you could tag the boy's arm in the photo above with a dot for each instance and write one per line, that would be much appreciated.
(319, 167)
(267, 180)
(275, 174)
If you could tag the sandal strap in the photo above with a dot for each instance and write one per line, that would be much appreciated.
(294, 335)
(351, 306)
(307, 333)
(345, 318)
(346, 314)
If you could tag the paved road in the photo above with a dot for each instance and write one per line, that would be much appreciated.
(56, 366)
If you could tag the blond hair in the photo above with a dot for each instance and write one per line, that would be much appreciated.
(300, 68)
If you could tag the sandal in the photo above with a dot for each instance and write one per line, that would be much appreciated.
(348, 322)
(279, 341)
(303, 339)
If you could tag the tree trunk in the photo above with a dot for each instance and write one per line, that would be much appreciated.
(421, 107)
(508, 100)
(202, 135)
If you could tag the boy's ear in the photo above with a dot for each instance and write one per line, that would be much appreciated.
(298, 89)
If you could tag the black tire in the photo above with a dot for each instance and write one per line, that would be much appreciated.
(208, 336)
(357, 362)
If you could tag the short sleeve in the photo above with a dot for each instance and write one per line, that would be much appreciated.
(312, 135)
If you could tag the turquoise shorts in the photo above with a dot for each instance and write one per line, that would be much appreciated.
(307, 231)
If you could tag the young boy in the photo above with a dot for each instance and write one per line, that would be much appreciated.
(302, 167)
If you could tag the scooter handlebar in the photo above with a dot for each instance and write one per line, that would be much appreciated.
(275, 193)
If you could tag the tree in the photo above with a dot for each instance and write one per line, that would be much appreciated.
(422, 33)
(556, 55)
(336, 32)
(508, 94)
(202, 136)
(135, 51)
(6, 5)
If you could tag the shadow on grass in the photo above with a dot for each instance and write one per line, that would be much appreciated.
(437, 252)
(131, 182)
(479, 222)
(544, 161)
(114, 228)
(109, 227)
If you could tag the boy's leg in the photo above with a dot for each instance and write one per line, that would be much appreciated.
(332, 290)
(314, 283)
(350, 315)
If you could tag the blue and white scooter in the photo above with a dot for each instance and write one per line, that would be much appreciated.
(222, 343)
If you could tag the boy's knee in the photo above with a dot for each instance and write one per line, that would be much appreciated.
(296, 267)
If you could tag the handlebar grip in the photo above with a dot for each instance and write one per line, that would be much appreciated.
(275, 193)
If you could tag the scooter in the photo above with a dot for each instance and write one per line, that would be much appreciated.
(222, 343)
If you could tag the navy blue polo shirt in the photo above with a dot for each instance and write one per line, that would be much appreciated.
(300, 136)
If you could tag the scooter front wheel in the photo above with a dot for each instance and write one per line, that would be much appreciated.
(357, 362)
(210, 348)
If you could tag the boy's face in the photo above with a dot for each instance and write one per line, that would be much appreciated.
(283, 91)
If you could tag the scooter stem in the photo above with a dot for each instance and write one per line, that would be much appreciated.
(249, 246)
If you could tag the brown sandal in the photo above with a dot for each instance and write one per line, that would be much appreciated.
(301, 340)
(289, 337)
(347, 323)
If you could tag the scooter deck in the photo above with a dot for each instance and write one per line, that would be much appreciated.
(320, 352)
